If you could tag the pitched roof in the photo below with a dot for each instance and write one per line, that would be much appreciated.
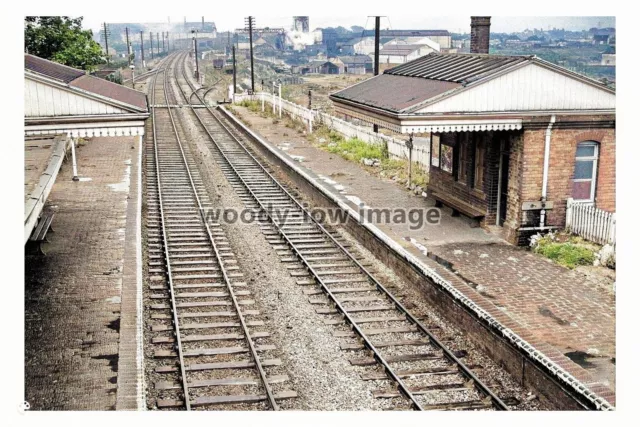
(111, 90)
(78, 79)
(403, 88)
(406, 92)
(459, 68)
(51, 69)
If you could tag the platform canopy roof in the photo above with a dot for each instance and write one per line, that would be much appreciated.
(65, 100)
(465, 92)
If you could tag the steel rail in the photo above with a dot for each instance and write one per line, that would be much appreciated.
(148, 74)
(185, 386)
(464, 370)
(403, 388)
(254, 353)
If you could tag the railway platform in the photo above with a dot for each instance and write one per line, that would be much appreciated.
(81, 297)
(563, 314)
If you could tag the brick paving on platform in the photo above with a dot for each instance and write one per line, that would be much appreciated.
(73, 293)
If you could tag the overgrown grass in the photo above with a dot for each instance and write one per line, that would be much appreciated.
(355, 149)
(253, 106)
(352, 149)
(568, 254)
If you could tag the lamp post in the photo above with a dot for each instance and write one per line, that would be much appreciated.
(279, 99)
(409, 145)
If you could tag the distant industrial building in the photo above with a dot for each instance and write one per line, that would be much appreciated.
(301, 23)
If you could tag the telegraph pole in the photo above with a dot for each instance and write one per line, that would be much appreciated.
(376, 64)
(106, 41)
(126, 31)
(158, 43)
(163, 42)
(151, 41)
(250, 20)
(168, 45)
(376, 56)
(233, 53)
(142, 48)
(195, 47)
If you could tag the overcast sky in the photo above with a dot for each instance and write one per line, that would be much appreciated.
(226, 20)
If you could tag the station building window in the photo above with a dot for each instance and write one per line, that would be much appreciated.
(585, 175)
(446, 154)
(435, 150)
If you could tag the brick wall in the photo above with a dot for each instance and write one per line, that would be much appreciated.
(480, 33)
(566, 134)
(526, 162)
(514, 198)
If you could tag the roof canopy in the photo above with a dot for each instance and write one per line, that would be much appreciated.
(452, 92)
(64, 100)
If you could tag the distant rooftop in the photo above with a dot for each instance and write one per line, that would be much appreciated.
(356, 59)
(408, 33)
(400, 49)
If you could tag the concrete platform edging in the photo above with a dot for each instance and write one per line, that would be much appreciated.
(131, 387)
(517, 341)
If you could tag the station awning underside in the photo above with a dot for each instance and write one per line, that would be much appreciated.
(408, 124)
(86, 127)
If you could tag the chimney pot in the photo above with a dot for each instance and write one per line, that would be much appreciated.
(480, 33)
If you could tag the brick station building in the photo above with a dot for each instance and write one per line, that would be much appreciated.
(512, 137)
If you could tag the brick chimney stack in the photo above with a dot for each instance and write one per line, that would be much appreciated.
(480, 32)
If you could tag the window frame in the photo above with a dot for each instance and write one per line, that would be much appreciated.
(451, 147)
(435, 150)
(479, 147)
(462, 157)
(594, 173)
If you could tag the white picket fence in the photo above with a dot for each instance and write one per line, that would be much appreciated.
(397, 148)
(591, 223)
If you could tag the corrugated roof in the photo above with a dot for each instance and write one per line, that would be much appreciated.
(459, 68)
(51, 69)
(404, 92)
(79, 79)
(111, 90)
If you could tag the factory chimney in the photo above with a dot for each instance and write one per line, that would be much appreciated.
(480, 32)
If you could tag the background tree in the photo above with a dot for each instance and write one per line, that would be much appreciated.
(62, 39)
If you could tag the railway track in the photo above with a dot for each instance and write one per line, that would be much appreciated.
(413, 366)
(209, 347)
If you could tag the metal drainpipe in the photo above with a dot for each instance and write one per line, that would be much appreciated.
(545, 173)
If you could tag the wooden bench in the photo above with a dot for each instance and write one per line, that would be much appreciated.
(39, 233)
(457, 206)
